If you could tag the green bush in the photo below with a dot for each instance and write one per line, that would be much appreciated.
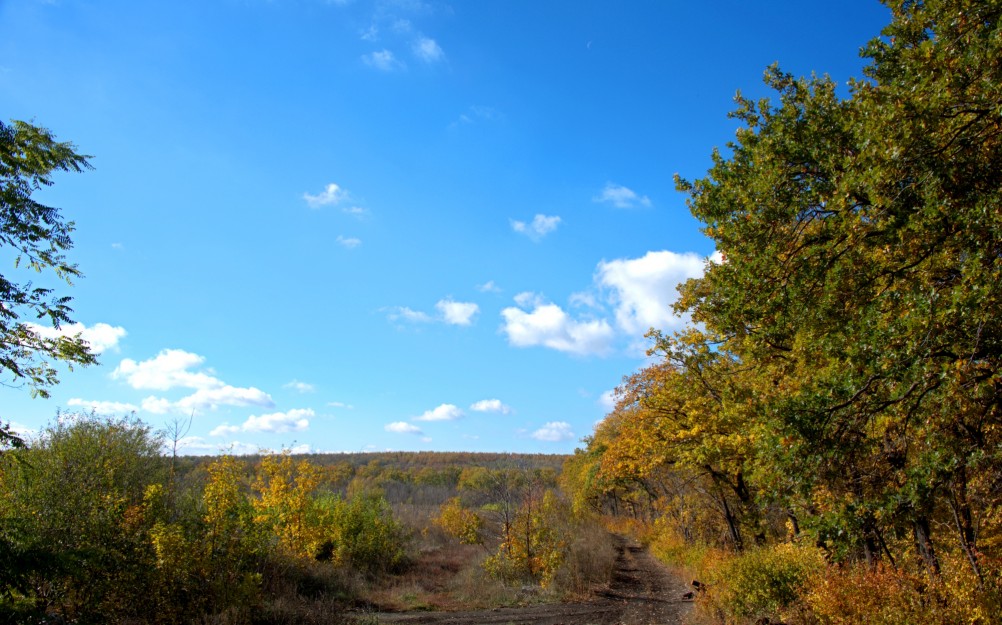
(764, 582)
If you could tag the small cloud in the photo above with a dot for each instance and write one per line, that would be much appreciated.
(489, 287)
(355, 211)
(621, 197)
(477, 113)
(117, 246)
(403, 313)
(402, 427)
(100, 337)
(349, 243)
(382, 60)
(491, 405)
(103, 407)
(444, 412)
(428, 50)
(340, 404)
(554, 432)
(300, 387)
(457, 313)
(540, 226)
(370, 34)
(331, 195)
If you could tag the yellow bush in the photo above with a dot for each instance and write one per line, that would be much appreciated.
(460, 522)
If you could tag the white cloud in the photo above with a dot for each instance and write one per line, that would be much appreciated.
(212, 398)
(224, 429)
(554, 432)
(340, 404)
(170, 369)
(621, 197)
(644, 289)
(403, 313)
(295, 420)
(355, 211)
(196, 445)
(402, 427)
(608, 400)
(548, 325)
(157, 405)
(491, 405)
(103, 407)
(332, 194)
(457, 313)
(300, 387)
(444, 412)
(540, 226)
(348, 243)
(100, 337)
(167, 370)
(428, 50)
(382, 60)
(489, 287)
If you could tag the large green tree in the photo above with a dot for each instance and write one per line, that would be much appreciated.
(35, 237)
(862, 277)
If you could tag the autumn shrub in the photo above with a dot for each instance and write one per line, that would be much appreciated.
(460, 522)
(360, 532)
(883, 595)
(72, 506)
(763, 582)
(589, 558)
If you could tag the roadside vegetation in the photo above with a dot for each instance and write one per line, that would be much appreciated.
(98, 525)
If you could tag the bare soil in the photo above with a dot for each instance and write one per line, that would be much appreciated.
(642, 592)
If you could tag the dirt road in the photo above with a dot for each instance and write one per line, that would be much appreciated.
(642, 592)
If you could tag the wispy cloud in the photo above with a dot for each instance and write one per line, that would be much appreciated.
(383, 60)
(300, 387)
(103, 407)
(491, 405)
(554, 432)
(450, 312)
(540, 226)
(349, 243)
(428, 50)
(403, 313)
(331, 195)
(444, 412)
(489, 287)
(621, 197)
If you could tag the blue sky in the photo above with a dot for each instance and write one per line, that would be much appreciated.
(390, 224)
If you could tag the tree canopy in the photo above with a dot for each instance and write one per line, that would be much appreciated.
(36, 237)
(850, 338)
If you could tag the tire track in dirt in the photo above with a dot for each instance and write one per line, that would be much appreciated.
(642, 592)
